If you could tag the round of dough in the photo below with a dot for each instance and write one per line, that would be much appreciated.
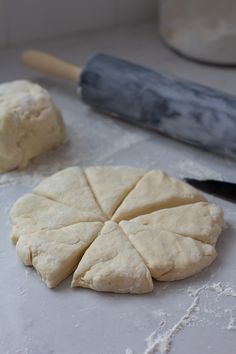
(116, 228)
(30, 124)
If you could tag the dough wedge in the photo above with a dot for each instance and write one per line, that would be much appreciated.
(56, 253)
(111, 184)
(168, 256)
(156, 190)
(32, 213)
(201, 221)
(112, 264)
(71, 188)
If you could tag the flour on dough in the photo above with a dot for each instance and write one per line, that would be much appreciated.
(170, 233)
(201, 221)
(168, 256)
(33, 213)
(30, 124)
(70, 187)
(56, 253)
(156, 190)
(118, 183)
(112, 264)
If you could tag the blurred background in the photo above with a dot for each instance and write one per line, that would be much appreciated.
(204, 30)
(24, 21)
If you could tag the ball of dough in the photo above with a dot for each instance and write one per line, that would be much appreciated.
(30, 124)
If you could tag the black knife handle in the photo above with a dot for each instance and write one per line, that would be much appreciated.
(226, 190)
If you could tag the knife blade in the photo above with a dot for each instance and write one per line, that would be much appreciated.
(222, 189)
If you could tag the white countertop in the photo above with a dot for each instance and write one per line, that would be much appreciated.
(36, 320)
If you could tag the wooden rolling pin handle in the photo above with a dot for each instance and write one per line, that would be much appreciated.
(50, 65)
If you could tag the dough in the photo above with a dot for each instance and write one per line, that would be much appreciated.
(33, 213)
(30, 124)
(119, 182)
(201, 221)
(161, 228)
(70, 187)
(56, 253)
(156, 190)
(113, 264)
(168, 256)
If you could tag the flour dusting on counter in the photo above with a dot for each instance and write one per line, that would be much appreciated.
(161, 342)
(77, 152)
(190, 168)
(232, 320)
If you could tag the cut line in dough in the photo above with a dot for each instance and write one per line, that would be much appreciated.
(168, 256)
(112, 264)
(62, 226)
(56, 253)
(119, 181)
(156, 190)
(184, 219)
(70, 187)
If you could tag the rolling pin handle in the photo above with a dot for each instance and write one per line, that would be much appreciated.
(50, 65)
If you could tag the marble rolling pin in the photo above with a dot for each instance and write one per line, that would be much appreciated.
(182, 109)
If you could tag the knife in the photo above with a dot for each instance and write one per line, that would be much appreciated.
(222, 189)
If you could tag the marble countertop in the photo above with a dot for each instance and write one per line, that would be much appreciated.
(195, 315)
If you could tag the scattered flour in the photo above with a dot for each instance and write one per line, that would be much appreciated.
(229, 292)
(160, 342)
(78, 152)
(129, 351)
(217, 287)
(29, 177)
(22, 351)
(189, 168)
(232, 321)
(159, 313)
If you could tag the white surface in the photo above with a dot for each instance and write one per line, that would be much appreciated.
(36, 320)
(27, 20)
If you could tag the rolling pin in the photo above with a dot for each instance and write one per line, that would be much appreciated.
(178, 108)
